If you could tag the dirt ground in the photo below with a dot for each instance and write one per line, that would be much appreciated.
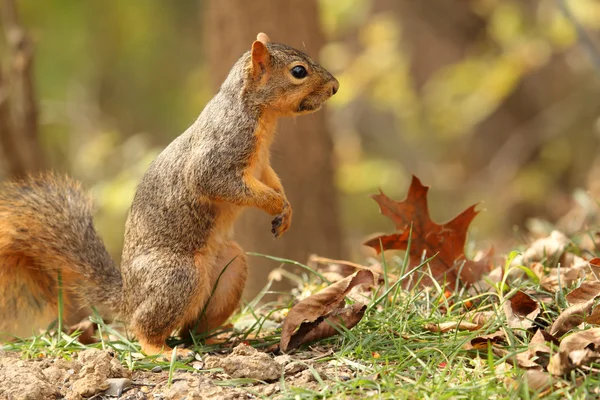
(97, 374)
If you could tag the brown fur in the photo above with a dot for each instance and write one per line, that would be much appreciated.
(178, 235)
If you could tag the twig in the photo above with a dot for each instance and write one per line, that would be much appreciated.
(24, 130)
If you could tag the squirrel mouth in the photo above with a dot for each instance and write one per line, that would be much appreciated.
(307, 106)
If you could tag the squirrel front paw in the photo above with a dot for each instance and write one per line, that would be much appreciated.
(282, 222)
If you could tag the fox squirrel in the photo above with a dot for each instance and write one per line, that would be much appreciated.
(178, 235)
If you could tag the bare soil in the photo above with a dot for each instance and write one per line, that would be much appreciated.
(243, 374)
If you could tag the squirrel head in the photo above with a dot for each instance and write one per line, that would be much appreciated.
(285, 80)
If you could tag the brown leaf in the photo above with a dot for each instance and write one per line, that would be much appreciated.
(589, 338)
(309, 313)
(575, 315)
(585, 292)
(446, 241)
(480, 317)
(576, 350)
(552, 246)
(570, 273)
(537, 380)
(481, 342)
(521, 311)
(448, 326)
(347, 317)
(537, 354)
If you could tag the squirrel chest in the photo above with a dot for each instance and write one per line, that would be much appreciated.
(264, 135)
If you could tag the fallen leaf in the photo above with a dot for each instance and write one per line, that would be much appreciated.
(480, 317)
(347, 317)
(313, 311)
(537, 354)
(589, 338)
(576, 350)
(551, 247)
(585, 292)
(575, 315)
(570, 273)
(481, 342)
(537, 380)
(521, 311)
(448, 326)
(446, 242)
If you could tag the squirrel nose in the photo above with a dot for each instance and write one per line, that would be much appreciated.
(335, 87)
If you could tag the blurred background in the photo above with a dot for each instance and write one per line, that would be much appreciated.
(492, 101)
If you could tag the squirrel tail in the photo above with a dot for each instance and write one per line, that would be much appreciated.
(47, 232)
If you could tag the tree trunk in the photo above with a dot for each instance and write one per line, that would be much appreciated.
(303, 152)
(18, 103)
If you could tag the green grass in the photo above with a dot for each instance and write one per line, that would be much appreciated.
(389, 353)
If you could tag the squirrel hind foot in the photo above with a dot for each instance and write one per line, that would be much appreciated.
(165, 352)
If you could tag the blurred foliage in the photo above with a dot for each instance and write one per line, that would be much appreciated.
(118, 80)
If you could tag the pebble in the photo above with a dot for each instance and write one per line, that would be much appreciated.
(117, 386)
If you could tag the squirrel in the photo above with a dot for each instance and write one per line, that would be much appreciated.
(178, 236)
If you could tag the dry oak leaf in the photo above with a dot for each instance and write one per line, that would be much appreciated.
(552, 246)
(585, 292)
(482, 342)
(576, 350)
(521, 311)
(537, 354)
(576, 314)
(446, 242)
(480, 317)
(537, 380)
(569, 273)
(313, 317)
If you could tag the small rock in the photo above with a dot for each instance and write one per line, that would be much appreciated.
(89, 385)
(54, 374)
(290, 365)
(157, 369)
(180, 390)
(212, 362)
(18, 380)
(247, 362)
(117, 386)
(284, 359)
(306, 376)
(98, 367)
(198, 365)
(294, 367)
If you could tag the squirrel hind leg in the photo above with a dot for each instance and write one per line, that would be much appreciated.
(164, 308)
(228, 290)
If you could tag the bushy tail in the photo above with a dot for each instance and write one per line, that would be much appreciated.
(46, 230)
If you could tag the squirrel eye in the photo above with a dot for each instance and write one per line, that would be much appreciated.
(299, 72)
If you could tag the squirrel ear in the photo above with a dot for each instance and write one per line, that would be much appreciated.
(263, 37)
(260, 58)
